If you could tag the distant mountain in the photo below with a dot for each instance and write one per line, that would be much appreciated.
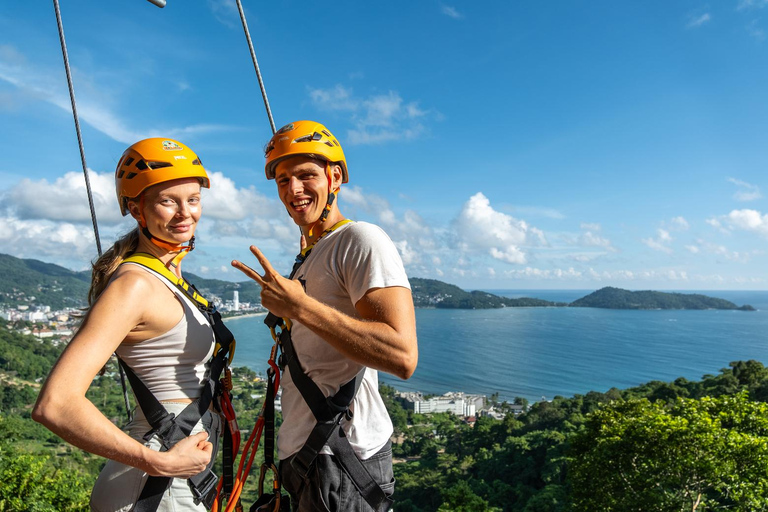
(616, 298)
(33, 282)
(430, 293)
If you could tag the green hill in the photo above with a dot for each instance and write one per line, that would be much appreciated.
(430, 293)
(33, 282)
(616, 298)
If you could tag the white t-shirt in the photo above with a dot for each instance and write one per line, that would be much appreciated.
(340, 270)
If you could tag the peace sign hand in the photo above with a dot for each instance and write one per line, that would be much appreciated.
(281, 296)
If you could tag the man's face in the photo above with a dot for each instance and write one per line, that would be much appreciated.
(302, 185)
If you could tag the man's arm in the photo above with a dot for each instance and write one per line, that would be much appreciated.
(384, 338)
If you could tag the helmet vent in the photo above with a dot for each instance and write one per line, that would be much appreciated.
(159, 165)
(328, 143)
(120, 174)
(128, 161)
(142, 165)
(326, 133)
(131, 175)
(336, 142)
(197, 161)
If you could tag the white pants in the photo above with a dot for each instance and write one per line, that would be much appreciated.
(118, 487)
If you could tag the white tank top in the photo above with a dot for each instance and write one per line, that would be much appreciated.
(173, 365)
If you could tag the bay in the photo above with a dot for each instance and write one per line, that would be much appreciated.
(538, 353)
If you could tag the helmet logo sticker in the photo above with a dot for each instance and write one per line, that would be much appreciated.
(169, 145)
(179, 157)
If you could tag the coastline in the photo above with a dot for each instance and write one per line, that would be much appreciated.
(247, 315)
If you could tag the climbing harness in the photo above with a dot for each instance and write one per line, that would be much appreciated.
(329, 412)
(170, 428)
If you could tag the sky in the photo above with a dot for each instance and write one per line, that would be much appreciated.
(501, 145)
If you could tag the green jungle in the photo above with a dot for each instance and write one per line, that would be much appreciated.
(662, 446)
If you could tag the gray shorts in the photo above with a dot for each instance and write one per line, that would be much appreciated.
(327, 486)
(119, 486)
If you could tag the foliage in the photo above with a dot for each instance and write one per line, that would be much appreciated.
(706, 454)
(543, 460)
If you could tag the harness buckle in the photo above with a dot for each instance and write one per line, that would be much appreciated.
(167, 425)
(203, 486)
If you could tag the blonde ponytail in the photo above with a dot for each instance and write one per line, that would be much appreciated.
(107, 264)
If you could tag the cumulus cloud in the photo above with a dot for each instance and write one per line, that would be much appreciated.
(697, 21)
(481, 228)
(376, 119)
(411, 234)
(746, 191)
(590, 226)
(661, 242)
(751, 221)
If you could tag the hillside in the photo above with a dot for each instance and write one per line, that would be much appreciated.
(616, 298)
(430, 293)
(33, 282)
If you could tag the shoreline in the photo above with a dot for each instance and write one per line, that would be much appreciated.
(247, 315)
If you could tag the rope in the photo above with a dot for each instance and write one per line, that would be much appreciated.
(77, 123)
(256, 65)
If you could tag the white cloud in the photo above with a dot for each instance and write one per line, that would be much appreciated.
(746, 191)
(748, 220)
(568, 274)
(225, 12)
(679, 224)
(697, 21)
(451, 12)
(660, 243)
(751, 4)
(377, 119)
(589, 239)
(480, 228)
(38, 84)
(590, 226)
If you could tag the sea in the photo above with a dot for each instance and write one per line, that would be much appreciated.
(540, 353)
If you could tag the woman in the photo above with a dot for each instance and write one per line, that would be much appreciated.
(154, 328)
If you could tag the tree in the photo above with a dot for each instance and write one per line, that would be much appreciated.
(694, 455)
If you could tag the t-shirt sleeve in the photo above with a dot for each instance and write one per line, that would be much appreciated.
(370, 260)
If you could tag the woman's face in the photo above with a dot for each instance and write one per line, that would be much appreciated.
(171, 209)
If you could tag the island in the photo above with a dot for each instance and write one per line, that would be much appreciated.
(616, 298)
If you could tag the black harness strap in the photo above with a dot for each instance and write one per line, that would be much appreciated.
(171, 428)
(329, 412)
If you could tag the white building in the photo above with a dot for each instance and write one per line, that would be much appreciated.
(236, 301)
(455, 403)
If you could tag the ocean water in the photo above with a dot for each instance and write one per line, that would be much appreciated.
(538, 353)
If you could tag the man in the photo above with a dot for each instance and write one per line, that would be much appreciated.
(352, 314)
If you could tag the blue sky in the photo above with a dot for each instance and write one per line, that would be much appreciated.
(502, 145)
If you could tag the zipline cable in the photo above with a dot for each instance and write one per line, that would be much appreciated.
(77, 123)
(256, 65)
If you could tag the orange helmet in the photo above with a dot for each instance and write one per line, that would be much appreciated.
(153, 161)
(304, 138)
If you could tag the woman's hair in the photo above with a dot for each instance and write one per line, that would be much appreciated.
(107, 264)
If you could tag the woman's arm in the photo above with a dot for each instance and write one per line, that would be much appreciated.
(129, 301)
